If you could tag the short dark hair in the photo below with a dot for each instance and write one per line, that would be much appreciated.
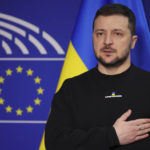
(117, 9)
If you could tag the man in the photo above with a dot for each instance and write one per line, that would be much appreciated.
(106, 108)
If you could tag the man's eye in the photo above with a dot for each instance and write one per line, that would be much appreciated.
(118, 34)
(100, 33)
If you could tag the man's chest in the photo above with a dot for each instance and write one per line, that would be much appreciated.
(101, 107)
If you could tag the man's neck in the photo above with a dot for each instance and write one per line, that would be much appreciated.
(113, 70)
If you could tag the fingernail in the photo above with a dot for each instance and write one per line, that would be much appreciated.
(129, 110)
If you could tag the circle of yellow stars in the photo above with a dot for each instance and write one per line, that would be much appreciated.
(40, 90)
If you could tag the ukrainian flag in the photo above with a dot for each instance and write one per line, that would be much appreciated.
(113, 94)
(80, 56)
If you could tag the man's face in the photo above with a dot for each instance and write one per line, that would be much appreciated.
(112, 40)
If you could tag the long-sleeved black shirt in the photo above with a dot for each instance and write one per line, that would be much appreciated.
(86, 107)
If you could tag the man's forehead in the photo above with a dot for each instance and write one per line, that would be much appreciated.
(112, 16)
(112, 21)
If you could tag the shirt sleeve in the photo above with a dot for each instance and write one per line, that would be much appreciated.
(60, 132)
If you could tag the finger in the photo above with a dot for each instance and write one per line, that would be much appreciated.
(125, 115)
(139, 121)
(144, 126)
(142, 132)
(141, 137)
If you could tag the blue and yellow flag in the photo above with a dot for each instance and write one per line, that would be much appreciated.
(80, 56)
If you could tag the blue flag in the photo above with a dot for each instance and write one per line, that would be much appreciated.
(30, 61)
(82, 40)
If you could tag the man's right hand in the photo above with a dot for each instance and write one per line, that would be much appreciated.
(131, 131)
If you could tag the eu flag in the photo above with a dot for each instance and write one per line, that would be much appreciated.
(28, 60)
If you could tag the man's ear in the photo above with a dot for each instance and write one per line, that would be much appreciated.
(134, 39)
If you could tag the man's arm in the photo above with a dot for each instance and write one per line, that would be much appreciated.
(61, 133)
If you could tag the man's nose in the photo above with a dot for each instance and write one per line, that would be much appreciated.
(108, 39)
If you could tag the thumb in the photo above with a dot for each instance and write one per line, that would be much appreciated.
(125, 116)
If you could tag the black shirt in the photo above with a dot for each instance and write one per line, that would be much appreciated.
(86, 107)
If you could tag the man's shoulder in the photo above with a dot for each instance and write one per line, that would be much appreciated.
(141, 73)
(82, 78)
(85, 76)
(79, 81)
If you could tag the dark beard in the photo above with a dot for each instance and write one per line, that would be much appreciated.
(117, 62)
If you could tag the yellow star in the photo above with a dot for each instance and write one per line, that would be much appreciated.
(40, 90)
(29, 109)
(8, 109)
(19, 69)
(1, 101)
(37, 101)
(8, 72)
(29, 72)
(19, 112)
(2, 79)
(37, 80)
